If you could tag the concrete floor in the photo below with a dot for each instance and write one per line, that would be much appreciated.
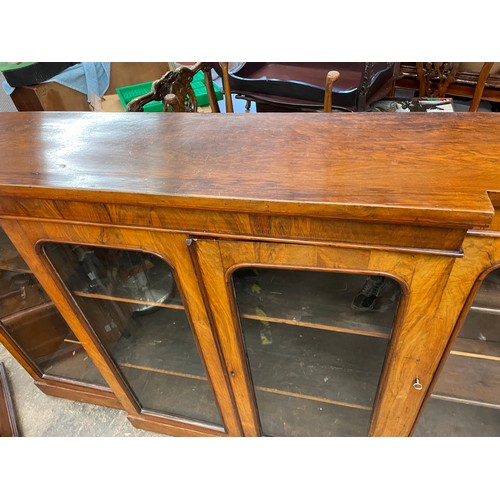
(40, 415)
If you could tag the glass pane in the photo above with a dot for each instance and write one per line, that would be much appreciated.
(316, 344)
(33, 322)
(133, 305)
(466, 398)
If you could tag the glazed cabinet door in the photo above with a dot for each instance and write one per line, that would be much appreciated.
(465, 396)
(36, 334)
(132, 298)
(325, 340)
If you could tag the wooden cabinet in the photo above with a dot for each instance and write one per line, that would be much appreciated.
(34, 331)
(281, 275)
(132, 298)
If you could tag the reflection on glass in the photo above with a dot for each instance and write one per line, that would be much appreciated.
(134, 307)
(316, 344)
(466, 398)
(32, 321)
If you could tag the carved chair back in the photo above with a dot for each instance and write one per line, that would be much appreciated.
(174, 90)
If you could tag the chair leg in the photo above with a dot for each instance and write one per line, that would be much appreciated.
(209, 84)
(481, 82)
(225, 87)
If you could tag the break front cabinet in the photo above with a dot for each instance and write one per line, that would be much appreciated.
(245, 275)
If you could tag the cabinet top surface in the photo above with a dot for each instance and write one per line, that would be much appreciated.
(429, 168)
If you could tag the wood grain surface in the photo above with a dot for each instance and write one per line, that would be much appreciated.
(413, 168)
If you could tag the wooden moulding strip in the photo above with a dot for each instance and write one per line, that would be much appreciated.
(8, 424)
(78, 392)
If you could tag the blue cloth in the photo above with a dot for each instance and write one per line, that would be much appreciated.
(85, 77)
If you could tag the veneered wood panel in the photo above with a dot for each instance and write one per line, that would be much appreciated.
(234, 224)
(417, 343)
(413, 168)
(173, 248)
(481, 255)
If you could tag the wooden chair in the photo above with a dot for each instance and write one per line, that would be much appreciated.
(174, 90)
(440, 79)
(295, 86)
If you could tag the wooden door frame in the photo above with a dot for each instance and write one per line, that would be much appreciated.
(28, 235)
(481, 256)
(422, 274)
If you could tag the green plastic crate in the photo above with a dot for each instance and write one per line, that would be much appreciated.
(126, 94)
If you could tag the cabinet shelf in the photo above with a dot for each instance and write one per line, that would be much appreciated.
(308, 397)
(312, 398)
(311, 299)
(317, 326)
(176, 305)
(476, 349)
(10, 260)
(169, 305)
(488, 295)
(342, 368)
(471, 374)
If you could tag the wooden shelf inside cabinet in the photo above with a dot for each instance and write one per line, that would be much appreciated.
(10, 260)
(471, 374)
(258, 388)
(174, 304)
(322, 301)
(343, 372)
(158, 357)
(488, 295)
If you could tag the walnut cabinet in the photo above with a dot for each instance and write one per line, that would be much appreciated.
(203, 273)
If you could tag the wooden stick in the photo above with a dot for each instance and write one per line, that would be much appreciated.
(331, 78)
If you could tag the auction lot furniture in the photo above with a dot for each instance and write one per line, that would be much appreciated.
(250, 274)
(470, 80)
(308, 86)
